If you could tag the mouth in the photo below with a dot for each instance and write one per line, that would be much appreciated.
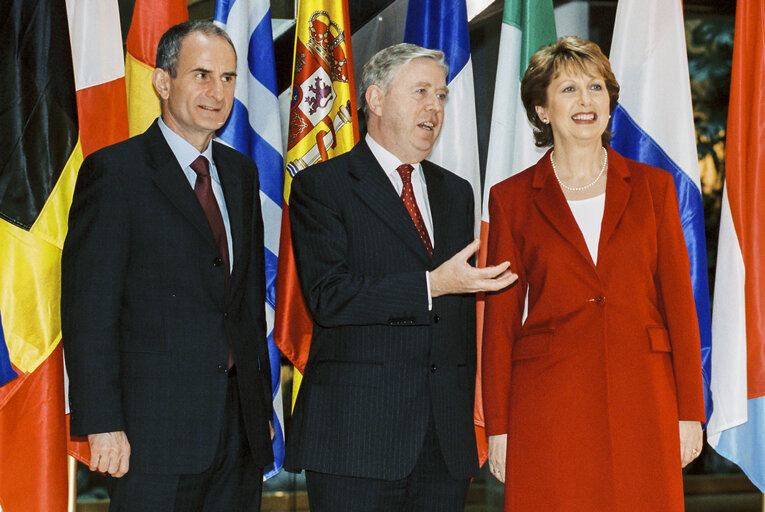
(209, 109)
(427, 125)
(585, 116)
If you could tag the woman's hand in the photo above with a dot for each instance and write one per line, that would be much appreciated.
(690, 441)
(497, 456)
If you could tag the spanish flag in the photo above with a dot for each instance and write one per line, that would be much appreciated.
(323, 124)
(151, 18)
(45, 107)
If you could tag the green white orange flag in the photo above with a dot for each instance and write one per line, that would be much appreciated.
(323, 123)
(527, 25)
(151, 18)
(54, 113)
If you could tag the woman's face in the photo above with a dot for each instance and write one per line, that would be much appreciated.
(577, 106)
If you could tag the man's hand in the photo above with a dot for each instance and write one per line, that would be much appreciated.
(271, 427)
(109, 453)
(498, 456)
(690, 441)
(456, 275)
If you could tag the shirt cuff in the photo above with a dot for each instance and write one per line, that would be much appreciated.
(430, 298)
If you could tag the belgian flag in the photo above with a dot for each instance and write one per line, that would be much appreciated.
(62, 92)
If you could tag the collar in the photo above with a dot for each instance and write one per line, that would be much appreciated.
(185, 153)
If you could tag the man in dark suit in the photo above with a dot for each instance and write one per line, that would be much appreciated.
(162, 298)
(382, 239)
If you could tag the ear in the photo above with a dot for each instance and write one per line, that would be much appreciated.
(375, 99)
(541, 114)
(161, 81)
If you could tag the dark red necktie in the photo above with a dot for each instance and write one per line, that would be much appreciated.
(407, 195)
(204, 192)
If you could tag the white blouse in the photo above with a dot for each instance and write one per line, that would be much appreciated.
(589, 215)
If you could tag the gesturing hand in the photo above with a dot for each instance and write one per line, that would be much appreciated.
(109, 453)
(456, 275)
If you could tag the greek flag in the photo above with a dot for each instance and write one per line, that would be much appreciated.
(254, 129)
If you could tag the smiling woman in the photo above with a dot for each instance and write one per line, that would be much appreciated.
(593, 401)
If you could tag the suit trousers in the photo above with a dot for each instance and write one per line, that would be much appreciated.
(232, 482)
(428, 488)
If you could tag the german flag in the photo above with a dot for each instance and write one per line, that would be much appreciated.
(323, 124)
(40, 157)
(56, 102)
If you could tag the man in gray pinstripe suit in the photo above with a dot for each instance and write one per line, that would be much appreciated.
(382, 241)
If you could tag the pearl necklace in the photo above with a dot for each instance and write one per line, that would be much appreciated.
(584, 187)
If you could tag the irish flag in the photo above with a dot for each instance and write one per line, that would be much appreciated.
(527, 25)
(737, 427)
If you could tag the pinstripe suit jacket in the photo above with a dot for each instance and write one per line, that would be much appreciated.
(380, 361)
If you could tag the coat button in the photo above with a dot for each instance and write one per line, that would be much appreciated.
(222, 368)
(217, 261)
(432, 368)
(436, 318)
(600, 299)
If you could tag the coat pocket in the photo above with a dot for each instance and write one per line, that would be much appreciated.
(659, 339)
(533, 344)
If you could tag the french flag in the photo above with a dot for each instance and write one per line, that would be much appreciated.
(254, 128)
(653, 123)
(443, 25)
(737, 427)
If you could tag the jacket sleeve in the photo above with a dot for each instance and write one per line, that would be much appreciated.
(334, 294)
(93, 269)
(676, 297)
(502, 321)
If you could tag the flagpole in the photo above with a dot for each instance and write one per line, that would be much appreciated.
(71, 467)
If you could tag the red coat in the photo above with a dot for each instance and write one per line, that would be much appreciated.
(590, 388)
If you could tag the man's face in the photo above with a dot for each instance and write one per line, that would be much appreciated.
(410, 115)
(199, 99)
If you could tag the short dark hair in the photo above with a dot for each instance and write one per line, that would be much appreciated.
(170, 43)
(568, 52)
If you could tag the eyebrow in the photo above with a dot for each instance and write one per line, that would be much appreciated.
(205, 70)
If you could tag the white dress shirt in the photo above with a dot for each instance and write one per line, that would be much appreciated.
(589, 215)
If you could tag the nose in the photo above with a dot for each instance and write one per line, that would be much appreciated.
(435, 103)
(215, 91)
(584, 96)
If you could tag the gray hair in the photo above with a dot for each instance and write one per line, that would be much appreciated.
(385, 64)
(170, 43)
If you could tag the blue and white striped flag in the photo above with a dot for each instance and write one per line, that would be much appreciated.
(653, 123)
(254, 129)
(443, 25)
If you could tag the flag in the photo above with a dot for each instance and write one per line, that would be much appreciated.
(151, 18)
(653, 124)
(99, 76)
(443, 25)
(254, 129)
(736, 428)
(40, 158)
(527, 25)
(322, 124)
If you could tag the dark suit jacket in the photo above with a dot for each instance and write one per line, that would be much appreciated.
(380, 362)
(146, 319)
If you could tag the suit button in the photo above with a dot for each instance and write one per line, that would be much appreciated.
(600, 300)
(225, 315)
(222, 368)
(432, 368)
(436, 318)
(217, 261)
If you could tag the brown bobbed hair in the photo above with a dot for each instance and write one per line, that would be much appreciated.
(570, 53)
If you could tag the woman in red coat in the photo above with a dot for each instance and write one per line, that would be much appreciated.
(591, 361)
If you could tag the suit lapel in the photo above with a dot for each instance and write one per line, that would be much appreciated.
(618, 192)
(439, 209)
(552, 204)
(231, 184)
(170, 179)
(374, 188)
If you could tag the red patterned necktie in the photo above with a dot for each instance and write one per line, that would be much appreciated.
(204, 192)
(407, 195)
